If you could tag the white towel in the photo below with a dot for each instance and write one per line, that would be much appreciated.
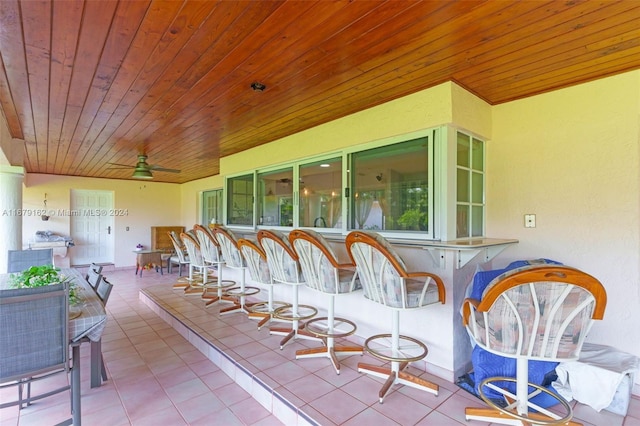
(595, 377)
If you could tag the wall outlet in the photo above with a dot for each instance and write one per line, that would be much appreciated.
(529, 220)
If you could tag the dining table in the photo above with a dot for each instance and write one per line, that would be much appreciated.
(87, 321)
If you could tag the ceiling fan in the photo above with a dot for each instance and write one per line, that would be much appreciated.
(142, 169)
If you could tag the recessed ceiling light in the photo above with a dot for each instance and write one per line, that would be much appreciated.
(325, 165)
(258, 87)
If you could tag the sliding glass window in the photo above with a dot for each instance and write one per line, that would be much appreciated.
(390, 188)
(275, 198)
(212, 206)
(240, 200)
(320, 189)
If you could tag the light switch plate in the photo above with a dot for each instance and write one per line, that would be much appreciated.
(529, 220)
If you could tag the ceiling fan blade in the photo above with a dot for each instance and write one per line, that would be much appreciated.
(162, 169)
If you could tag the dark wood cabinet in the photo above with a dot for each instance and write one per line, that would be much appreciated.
(160, 239)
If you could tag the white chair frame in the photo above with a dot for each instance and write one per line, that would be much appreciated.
(314, 256)
(399, 350)
(278, 252)
(212, 257)
(572, 301)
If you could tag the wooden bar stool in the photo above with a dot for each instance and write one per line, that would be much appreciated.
(234, 259)
(212, 256)
(386, 281)
(198, 269)
(326, 276)
(285, 269)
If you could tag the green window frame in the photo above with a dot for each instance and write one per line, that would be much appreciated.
(240, 206)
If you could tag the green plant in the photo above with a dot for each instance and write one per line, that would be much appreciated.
(413, 219)
(38, 276)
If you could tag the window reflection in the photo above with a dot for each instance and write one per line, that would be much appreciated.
(321, 194)
(390, 187)
(240, 200)
(275, 198)
(212, 206)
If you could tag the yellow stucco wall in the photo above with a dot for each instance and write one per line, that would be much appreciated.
(147, 204)
(191, 197)
(572, 158)
(422, 110)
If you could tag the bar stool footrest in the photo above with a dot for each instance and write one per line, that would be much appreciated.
(238, 292)
(286, 313)
(560, 416)
(409, 349)
(263, 307)
(341, 327)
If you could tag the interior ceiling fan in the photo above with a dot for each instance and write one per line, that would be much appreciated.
(142, 169)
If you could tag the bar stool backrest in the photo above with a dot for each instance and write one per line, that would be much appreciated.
(229, 245)
(193, 249)
(322, 271)
(256, 261)
(384, 277)
(209, 245)
(282, 259)
(178, 247)
(540, 312)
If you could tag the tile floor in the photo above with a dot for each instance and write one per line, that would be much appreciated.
(156, 377)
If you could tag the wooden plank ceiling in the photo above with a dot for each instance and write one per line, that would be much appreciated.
(87, 83)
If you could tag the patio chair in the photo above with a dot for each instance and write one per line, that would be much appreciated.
(19, 260)
(103, 290)
(93, 278)
(34, 339)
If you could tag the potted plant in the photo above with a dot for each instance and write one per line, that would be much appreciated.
(37, 276)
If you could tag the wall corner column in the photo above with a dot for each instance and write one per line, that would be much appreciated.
(11, 184)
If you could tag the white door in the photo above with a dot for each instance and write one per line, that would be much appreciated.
(92, 226)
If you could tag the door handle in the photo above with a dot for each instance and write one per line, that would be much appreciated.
(109, 230)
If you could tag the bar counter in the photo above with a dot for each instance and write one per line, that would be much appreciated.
(438, 326)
